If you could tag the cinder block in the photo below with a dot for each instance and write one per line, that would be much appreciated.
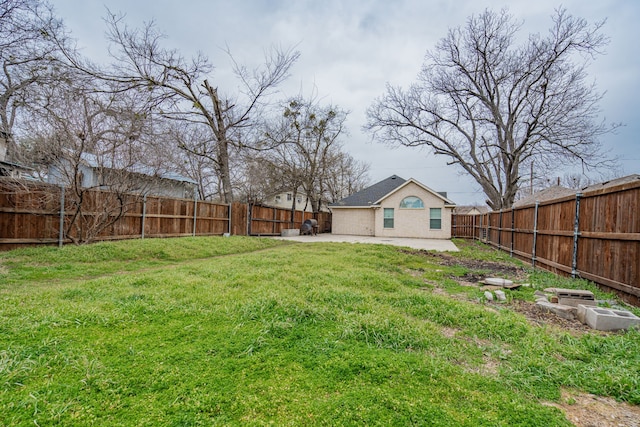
(573, 293)
(581, 315)
(561, 310)
(574, 302)
(289, 232)
(607, 319)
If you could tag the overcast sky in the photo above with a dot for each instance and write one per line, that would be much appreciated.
(351, 49)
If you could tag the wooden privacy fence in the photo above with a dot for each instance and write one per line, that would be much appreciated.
(37, 214)
(595, 235)
(270, 221)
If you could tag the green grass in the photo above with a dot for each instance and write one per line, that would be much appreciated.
(72, 262)
(249, 331)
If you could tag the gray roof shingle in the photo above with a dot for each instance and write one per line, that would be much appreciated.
(372, 194)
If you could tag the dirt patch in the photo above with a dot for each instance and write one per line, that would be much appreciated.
(541, 318)
(478, 270)
(483, 269)
(449, 332)
(587, 410)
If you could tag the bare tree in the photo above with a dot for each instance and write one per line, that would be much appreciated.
(30, 36)
(190, 138)
(307, 146)
(93, 145)
(262, 178)
(345, 177)
(182, 91)
(492, 106)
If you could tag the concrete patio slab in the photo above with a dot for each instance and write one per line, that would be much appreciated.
(441, 245)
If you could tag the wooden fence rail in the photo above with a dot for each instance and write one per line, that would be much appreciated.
(595, 235)
(270, 221)
(37, 214)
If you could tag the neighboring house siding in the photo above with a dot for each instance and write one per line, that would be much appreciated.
(285, 201)
(91, 178)
(353, 221)
(413, 222)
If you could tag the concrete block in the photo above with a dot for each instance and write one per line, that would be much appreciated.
(289, 232)
(501, 296)
(573, 293)
(581, 315)
(574, 302)
(496, 281)
(607, 319)
(488, 295)
(564, 311)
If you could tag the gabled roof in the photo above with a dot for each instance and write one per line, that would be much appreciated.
(549, 193)
(370, 195)
(464, 210)
(618, 181)
(373, 195)
(439, 195)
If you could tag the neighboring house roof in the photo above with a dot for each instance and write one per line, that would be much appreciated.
(14, 165)
(465, 210)
(373, 195)
(618, 181)
(176, 177)
(550, 193)
(14, 169)
(92, 161)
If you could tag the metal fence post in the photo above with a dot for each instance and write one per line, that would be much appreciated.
(486, 236)
(576, 234)
(229, 221)
(61, 229)
(144, 214)
(535, 235)
(195, 212)
(500, 231)
(513, 231)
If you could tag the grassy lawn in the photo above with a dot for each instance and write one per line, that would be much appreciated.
(251, 331)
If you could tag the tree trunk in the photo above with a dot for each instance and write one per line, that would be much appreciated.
(224, 171)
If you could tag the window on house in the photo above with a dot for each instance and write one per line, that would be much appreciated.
(388, 217)
(299, 199)
(289, 197)
(277, 199)
(435, 218)
(411, 202)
